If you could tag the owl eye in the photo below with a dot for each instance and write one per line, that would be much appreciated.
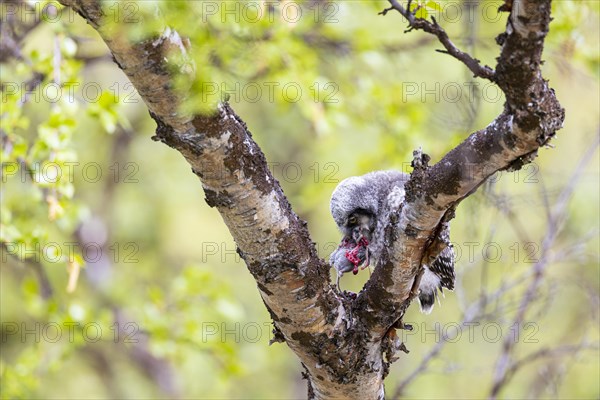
(352, 220)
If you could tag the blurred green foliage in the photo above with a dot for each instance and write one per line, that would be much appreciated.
(106, 239)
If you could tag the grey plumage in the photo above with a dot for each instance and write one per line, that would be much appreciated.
(367, 195)
(339, 259)
(360, 207)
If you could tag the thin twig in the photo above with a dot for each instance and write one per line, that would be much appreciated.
(435, 29)
(555, 219)
(544, 353)
(474, 312)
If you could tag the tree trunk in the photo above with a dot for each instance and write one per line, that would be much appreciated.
(346, 345)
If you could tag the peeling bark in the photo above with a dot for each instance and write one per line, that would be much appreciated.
(345, 344)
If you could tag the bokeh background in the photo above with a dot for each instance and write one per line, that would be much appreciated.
(118, 281)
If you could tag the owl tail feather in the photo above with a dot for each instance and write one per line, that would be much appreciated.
(426, 301)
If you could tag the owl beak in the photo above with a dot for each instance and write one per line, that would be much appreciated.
(360, 232)
(362, 239)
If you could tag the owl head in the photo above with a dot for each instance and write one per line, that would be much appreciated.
(354, 206)
(357, 202)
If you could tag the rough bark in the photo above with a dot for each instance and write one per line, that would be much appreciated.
(345, 345)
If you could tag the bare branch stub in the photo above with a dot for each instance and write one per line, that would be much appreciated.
(434, 28)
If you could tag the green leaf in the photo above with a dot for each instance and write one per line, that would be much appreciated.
(422, 13)
(434, 5)
(19, 149)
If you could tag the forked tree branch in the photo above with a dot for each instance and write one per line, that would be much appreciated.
(531, 117)
(345, 345)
